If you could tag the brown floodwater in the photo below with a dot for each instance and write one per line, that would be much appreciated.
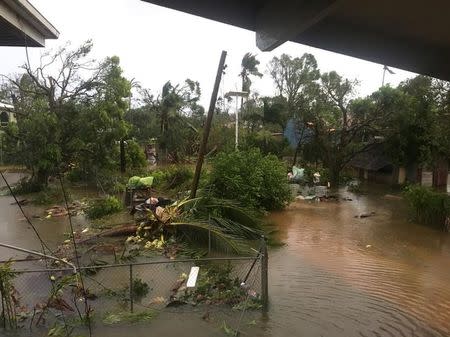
(339, 275)
(336, 275)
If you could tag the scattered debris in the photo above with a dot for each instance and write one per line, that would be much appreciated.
(310, 197)
(329, 198)
(75, 208)
(365, 215)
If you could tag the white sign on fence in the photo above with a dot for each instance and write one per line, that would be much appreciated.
(192, 280)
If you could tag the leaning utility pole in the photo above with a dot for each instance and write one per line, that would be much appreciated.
(207, 127)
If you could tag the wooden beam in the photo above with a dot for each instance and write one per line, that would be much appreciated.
(280, 21)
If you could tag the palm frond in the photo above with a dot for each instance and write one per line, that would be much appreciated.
(230, 241)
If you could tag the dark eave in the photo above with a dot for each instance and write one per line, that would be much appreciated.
(21, 24)
(411, 35)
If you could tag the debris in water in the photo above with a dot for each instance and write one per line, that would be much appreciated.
(365, 215)
(392, 196)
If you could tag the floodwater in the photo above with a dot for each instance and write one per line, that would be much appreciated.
(344, 276)
(336, 275)
(14, 229)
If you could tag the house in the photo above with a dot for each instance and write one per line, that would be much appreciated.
(6, 114)
(374, 165)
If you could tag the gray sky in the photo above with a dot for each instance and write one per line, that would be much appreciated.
(156, 44)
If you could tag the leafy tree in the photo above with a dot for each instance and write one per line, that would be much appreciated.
(105, 117)
(69, 113)
(295, 80)
(340, 124)
(144, 123)
(179, 116)
(47, 108)
(249, 67)
(416, 127)
(266, 142)
(292, 78)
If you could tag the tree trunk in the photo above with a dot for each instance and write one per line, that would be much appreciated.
(335, 173)
(413, 173)
(123, 163)
(40, 179)
(440, 173)
(297, 149)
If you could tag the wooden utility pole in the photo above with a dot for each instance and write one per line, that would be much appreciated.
(207, 127)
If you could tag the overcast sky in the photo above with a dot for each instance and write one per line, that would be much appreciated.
(156, 44)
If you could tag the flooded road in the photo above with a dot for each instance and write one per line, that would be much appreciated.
(15, 230)
(344, 276)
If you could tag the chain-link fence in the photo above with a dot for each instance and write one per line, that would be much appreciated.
(158, 297)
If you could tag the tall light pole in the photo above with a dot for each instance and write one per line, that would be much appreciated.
(237, 94)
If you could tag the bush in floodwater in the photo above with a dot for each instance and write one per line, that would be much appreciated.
(251, 178)
(430, 207)
(102, 207)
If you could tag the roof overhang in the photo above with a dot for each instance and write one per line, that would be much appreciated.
(5, 106)
(411, 35)
(22, 25)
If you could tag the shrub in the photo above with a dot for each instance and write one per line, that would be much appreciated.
(26, 186)
(430, 207)
(173, 177)
(101, 207)
(251, 178)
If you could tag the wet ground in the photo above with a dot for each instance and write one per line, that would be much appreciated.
(336, 276)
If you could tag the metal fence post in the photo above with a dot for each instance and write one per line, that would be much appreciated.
(131, 287)
(209, 234)
(264, 274)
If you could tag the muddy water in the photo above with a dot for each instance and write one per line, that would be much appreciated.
(15, 230)
(344, 276)
(337, 275)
